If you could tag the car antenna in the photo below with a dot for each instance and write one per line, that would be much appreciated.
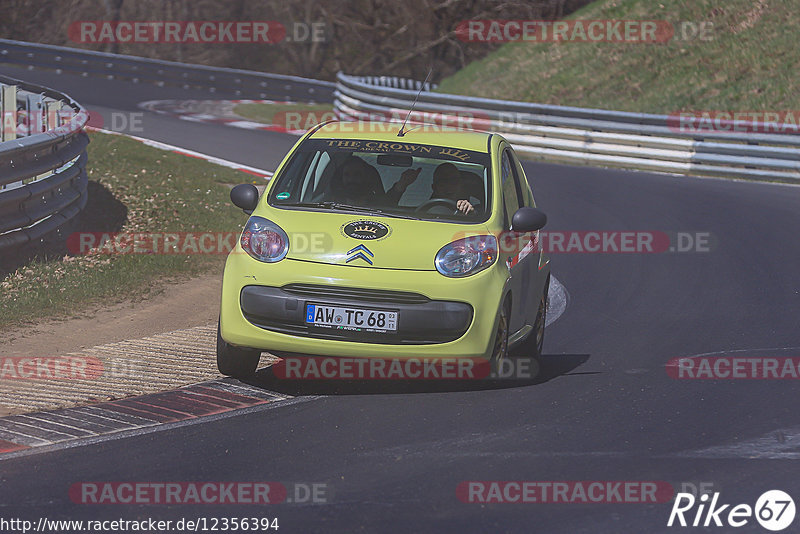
(401, 133)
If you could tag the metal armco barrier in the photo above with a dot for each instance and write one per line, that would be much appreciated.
(236, 82)
(398, 83)
(43, 181)
(585, 136)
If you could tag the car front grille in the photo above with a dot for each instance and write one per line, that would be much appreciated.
(354, 293)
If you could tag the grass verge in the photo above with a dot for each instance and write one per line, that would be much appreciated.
(133, 188)
(747, 62)
(289, 116)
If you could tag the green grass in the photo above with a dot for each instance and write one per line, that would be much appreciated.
(133, 188)
(750, 62)
(266, 112)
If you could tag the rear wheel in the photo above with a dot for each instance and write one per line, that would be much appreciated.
(235, 362)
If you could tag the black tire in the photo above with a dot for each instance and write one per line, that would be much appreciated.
(532, 345)
(236, 362)
(500, 343)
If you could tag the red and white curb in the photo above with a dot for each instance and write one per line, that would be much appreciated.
(222, 113)
(261, 173)
(70, 427)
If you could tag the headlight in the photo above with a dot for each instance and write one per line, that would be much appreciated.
(466, 256)
(264, 240)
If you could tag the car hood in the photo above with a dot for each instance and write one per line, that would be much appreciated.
(365, 241)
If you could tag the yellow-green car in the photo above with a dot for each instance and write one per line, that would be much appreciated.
(380, 242)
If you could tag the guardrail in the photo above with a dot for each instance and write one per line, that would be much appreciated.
(397, 82)
(586, 136)
(43, 181)
(233, 82)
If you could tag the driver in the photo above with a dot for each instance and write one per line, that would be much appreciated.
(447, 184)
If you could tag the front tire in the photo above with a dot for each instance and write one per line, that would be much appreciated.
(234, 361)
(500, 344)
(533, 344)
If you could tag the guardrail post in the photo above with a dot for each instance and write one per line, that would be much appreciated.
(35, 108)
(8, 105)
(8, 110)
(52, 115)
(37, 123)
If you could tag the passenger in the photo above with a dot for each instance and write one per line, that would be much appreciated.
(361, 184)
(408, 177)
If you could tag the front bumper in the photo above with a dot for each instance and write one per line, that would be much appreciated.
(421, 321)
(263, 307)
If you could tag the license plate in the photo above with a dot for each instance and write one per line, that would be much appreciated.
(359, 319)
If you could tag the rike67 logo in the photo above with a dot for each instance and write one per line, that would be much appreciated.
(774, 510)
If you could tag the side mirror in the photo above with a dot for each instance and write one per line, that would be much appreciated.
(528, 220)
(245, 196)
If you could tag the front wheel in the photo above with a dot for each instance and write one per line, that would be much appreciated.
(500, 346)
(533, 344)
(235, 362)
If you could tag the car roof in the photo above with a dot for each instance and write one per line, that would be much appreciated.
(419, 133)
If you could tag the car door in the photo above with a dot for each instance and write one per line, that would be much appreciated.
(509, 243)
(532, 285)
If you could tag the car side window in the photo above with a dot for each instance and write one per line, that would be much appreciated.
(510, 188)
(524, 189)
(309, 182)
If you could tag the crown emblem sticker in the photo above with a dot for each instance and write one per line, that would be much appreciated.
(366, 230)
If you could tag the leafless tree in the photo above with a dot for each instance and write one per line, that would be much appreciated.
(374, 37)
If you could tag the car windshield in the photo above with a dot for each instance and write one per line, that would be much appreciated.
(396, 179)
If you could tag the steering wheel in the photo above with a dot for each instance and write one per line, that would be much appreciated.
(434, 202)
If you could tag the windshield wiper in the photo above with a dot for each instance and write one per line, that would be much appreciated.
(347, 207)
(327, 205)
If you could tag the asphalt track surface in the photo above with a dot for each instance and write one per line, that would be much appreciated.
(392, 455)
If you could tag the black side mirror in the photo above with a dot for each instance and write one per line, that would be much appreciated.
(528, 220)
(245, 196)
